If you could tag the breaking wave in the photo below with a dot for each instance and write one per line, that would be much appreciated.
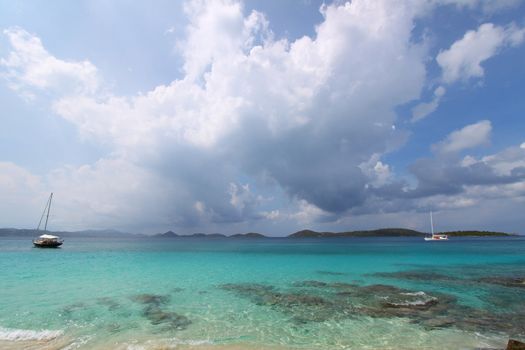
(12, 334)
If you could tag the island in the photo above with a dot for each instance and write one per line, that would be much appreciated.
(477, 234)
(383, 232)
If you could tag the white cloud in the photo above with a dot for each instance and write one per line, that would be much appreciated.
(105, 194)
(491, 6)
(19, 188)
(308, 213)
(218, 32)
(30, 68)
(452, 184)
(463, 59)
(507, 161)
(309, 118)
(259, 105)
(272, 215)
(470, 136)
(487, 6)
(14, 178)
(423, 109)
(449, 182)
(377, 172)
(243, 199)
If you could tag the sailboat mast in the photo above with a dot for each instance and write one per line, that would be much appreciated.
(43, 214)
(48, 209)
(431, 224)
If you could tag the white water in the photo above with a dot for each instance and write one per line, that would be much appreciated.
(11, 334)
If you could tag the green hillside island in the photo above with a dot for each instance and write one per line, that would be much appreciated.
(384, 232)
(477, 234)
(392, 232)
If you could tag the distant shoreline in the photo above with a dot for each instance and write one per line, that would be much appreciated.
(385, 232)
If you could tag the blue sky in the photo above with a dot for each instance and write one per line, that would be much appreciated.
(269, 116)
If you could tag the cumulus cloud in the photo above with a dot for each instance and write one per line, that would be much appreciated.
(308, 214)
(451, 184)
(376, 171)
(19, 188)
(308, 119)
(487, 6)
(464, 58)
(423, 109)
(299, 115)
(470, 136)
(508, 161)
(223, 22)
(499, 176)
(15, 180)
(29, 67)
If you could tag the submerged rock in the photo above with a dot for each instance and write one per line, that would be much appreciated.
(301, 306)
(424, 276)
(157, 316)
(330, 273)
(110, 303)
(515, 345)
(342, 285)
(68, 309)
(113, 327)
(318, 301)
(151, 299)
(317, 284)
(438, 322)
(518, 282)
(247, 288)
(430, 276)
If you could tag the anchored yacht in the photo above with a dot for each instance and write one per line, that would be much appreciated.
(435, 236)
(46, 240)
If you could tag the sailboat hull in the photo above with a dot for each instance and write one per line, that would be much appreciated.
(436, 238)
(40, 244)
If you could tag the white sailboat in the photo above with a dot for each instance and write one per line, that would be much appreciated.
(435, 236)
(45, 240)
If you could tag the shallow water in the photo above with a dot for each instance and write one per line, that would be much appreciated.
(357, 293)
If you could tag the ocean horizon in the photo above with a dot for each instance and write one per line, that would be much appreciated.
(312, 294)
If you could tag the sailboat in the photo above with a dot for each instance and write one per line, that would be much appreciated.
(45, 240)
(435, 236)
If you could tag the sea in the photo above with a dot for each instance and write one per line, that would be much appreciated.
(277, 293)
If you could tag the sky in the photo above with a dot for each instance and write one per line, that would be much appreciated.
(268, 116)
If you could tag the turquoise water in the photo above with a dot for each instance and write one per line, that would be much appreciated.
(396, 293)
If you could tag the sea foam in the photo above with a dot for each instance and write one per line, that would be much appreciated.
(13, 334)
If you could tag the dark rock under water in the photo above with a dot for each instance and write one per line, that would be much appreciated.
(515, 345)
(506, 281)
(157, 314)
(426, 276)
(330, 273)
(151, 299)
(318, 301)
(415, 275)
(110, 303)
